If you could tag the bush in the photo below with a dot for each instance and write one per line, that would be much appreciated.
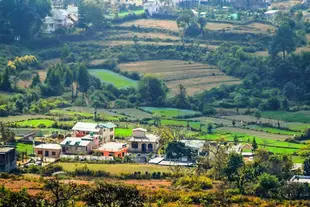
(50, 169)
(195, 182)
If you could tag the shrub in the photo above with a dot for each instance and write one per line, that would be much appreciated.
(194, 182)
(50, 169)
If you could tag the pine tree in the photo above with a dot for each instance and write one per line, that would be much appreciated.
(254, 144)
(35, 81)
(6, 83)
(236, 141)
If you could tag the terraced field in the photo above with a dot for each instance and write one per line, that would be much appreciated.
(115, 79)
(195, 77)
(172, 26)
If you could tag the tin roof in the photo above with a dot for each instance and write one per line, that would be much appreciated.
(107, 125)
(48, 146)
(75, 141)
(83, 126)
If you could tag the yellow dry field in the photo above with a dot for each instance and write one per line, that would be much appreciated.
(195, 77)
(250, 28)
(284, 5)
(154, 23)
(144, 35)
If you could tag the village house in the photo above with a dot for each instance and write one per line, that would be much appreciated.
(7, 159)
(142, 142)
(105, 130)
(48, 151)
(113, 149)
(77, 146)
(60, 18)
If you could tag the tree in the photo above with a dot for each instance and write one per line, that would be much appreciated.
(210, 128)
(65, 52)
(202, 21)
(83, 79)
(91, 14)
(236, 141)
(258, 115)
(157, 119)
(234, 163)
(290, 91)
(6, 134)
(24, 18)
(5, 82)
(108, 195)
(233, 122)
(152, 90)
(62, 193)
(54, 80)
(254, 144)
(35, 81)
(177, 150)
(181, 100)
(306, 166)
(284, 41)
(267, 184)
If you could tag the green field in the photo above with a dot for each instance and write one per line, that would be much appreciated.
(272, 145)
(116, 169)
(28, 148)
(35, 123)
(122, 133)
(273, 130)
(170, 112)
(133, 112)
(117, 80)
(180, 123)
(299, 116)
(136, 12)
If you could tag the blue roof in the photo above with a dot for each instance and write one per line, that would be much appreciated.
(107, 125)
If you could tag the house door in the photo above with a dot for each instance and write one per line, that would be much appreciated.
(143, 147)
(46, 154)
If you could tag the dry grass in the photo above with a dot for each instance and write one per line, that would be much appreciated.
(154, 23)
(27, 83)
(284, 5)
(142, 35)
(195, 77)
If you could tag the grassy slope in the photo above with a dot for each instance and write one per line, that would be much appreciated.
(299, 116)
(117, 80)
(116, 169)
(170, 112)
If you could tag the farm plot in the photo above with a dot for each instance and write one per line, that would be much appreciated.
(35, 123)
(117, 80)
(195, 77)
(298, 116)
(254, 133)
(133, 112)
(171, 112)
(143, 35)
(116, 169)
(154, 23)
(218, 121)
(250, 28)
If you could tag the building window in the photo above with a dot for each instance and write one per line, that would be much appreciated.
(54, 153)
(111, 154)
(134, 145)
(40, 152)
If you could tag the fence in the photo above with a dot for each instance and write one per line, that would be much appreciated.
(86, 157)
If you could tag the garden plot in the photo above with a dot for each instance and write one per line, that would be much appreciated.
(195, 77)
(115, 79)
(170, 112)
(133, 112)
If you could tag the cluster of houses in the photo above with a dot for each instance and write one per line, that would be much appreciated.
(88, 138)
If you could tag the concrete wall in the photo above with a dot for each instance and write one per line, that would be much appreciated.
(107, 134)
(138, 133)
(8, 161)
(143, 146)
(53, 153)
(77, 150)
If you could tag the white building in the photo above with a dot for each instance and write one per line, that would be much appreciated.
(271, 14)
(60, 18)
(143, 142)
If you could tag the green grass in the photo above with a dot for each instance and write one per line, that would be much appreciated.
(299, 116)
(35, 123)
(274, 146)
(117, 80)
(273, 130)
(136, 12)
(116, 169)
(181, 123)
(170, 112)
(60, 112)
(298, 159)
(20, 147)
(122, 133)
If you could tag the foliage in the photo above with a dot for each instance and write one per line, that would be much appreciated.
(195, 183)
(178, 150)
(106, 195)
(152, 90)
(267, 185)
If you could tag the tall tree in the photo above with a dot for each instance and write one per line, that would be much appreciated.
(254, 144)
(284, 41)
(152, 90)
(181, 100)
(35, 81)
(83, 79)
(234, 163)
(202, 21)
